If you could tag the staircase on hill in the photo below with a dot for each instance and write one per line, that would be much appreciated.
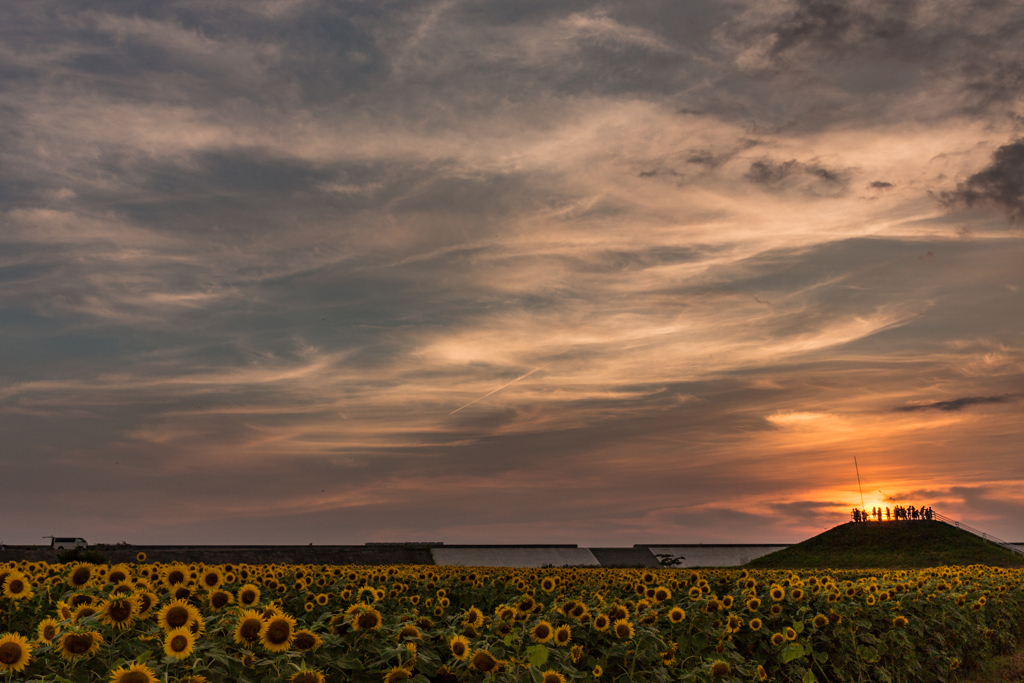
(976, 532)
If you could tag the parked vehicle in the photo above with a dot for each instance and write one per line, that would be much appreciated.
(67, 543)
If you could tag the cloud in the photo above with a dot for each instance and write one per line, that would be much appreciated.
(1001, 184)
(957, 404)
(811, 177)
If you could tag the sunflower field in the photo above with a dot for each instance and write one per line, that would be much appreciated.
(142, 623)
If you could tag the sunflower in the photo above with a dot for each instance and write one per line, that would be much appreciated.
(398, 673)
(249, 627)
(662, 594)
(460, 647)
(179, 643)
(174, 575)
(734, 624)
(474, 617)
(306, 676)
(755, 624)
(120, 612)
(597, 671)
(542, 632)
(80, 574)
(753, 604)
(47, 631)
(602, 622)
(322, 599)
(409, 631)
(83, 612)
(369, 619)
(562, 635)
(248, 595)
(623, 629)
(306, 640)
(176, 614)
(720, 668)
(141, 557)
(676, 615)
(211, 579)
(820, 621)
(618, 612)
(576, 653)
(79, 644)
(134, 673)
(483, 661)
(791, 633)
(778, 639)
(15, 653)
(552, 676)
(17, 586)
(777, 592)
(195, 678)
(147, 601)
(219, 599)
(278, 633)
(900, 622)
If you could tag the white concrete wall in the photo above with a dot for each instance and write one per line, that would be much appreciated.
(715, 556)
(513, 557)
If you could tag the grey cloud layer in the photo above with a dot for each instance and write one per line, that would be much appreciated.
(254, 254)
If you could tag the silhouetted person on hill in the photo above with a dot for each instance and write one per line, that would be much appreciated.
(856, 515)
(888, 517)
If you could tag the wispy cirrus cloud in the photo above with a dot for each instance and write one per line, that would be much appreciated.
(265, 263)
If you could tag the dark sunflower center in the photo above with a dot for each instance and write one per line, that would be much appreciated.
(80, 600)
(85, 612)
(305, 677)
(367, 620)
(175, 577)
(10, 653)
(145, 602)
(49, 632)
(211, 579)
(177, 617)
(251, 629)
(458, 648)
(551, 678)
(120, 611)
(134, 677)
(543, 631)
(179, 643)
(483, 661)
(248, 597)
(622, 630)
(81, 576)
(219, 599)
(77, 643)
(117, 577)
(304, 641)
(16, 586)
(279, 631)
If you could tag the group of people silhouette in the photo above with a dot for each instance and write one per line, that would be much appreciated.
(899, 512)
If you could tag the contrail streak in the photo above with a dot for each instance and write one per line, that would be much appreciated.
(500, 388)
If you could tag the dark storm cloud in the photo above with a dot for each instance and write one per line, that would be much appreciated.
(959, 403)
(1000, 184)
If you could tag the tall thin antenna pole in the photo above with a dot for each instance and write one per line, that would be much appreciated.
(862, 506)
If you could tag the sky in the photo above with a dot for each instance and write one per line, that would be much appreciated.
(473, 271)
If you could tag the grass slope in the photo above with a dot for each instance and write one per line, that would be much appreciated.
(889, 545)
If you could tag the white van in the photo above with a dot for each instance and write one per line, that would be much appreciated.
(67, 543)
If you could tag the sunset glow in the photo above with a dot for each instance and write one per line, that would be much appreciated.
(290, 271)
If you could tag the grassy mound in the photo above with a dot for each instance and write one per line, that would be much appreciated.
(889, 545)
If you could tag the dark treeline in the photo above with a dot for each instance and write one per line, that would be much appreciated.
(898, 513)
